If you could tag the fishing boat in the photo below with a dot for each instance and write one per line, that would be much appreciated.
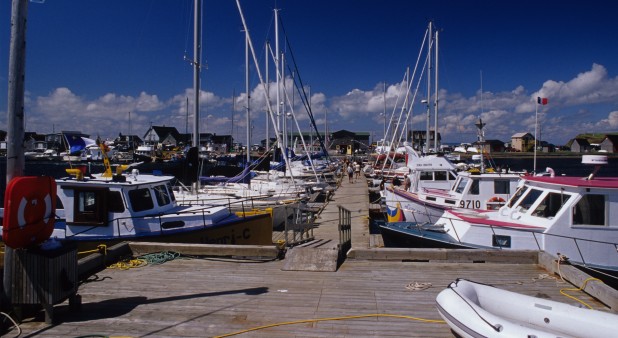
(105, 209)
(479, 187)
(477, 310)
(243, 198)
(566, 216)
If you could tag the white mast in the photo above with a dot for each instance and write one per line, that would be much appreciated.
(267, 89)
(248, 97)
(283, 114)
(435, 117)
(427, 134)
(259, 74)
(277, 69)
(197, 51)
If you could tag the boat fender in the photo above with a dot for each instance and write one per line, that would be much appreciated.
(29, 209)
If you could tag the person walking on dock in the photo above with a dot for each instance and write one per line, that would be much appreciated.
(350, 173)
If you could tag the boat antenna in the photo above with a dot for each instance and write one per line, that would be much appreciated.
(481, 132)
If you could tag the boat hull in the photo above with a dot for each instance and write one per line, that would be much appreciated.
(477, 310)
(250, 230)
(408, 235)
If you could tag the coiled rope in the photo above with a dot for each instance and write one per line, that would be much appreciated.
(330, 319)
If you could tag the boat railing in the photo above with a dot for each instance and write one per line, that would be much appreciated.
(537, 236)
(345, 231)
(299, 226)
(203, 211)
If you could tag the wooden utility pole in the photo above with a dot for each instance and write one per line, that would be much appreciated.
(15, 162)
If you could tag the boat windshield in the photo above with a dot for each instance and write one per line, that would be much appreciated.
(518, 194)
(550, 205)
(460, 185)
(528, 199)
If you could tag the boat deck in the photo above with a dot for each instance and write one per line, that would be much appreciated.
(385, 295)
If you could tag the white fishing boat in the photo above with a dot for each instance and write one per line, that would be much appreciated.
(477, 310)
(477, 188)
(574, 217)
(105, 209)
(425, 172)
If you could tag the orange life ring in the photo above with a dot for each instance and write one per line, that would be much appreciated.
(29, 209)
(494, 203)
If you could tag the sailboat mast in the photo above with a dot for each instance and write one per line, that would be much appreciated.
(197, 51)
(435, 117)
(266, 89)
(278, 110)
(248, 97)
(427, 133)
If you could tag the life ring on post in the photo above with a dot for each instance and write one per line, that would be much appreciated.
(29, 209)
(495, 203)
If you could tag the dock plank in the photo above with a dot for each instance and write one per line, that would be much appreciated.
(211, 297)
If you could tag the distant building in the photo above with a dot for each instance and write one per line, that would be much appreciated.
(580, 145)
(522, 142)
(162, 135)
(347, 142)
(127, 142)
(610, 144)
(418, 139)
(493, 146)
(220, 143)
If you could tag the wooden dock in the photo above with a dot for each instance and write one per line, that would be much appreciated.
(376, 292)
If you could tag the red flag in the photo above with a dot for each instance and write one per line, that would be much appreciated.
(541, 100)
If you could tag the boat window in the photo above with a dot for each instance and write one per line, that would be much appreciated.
(426, 176)
(141, 199)
(451, 176)
(59, 204)
(171, 192)
(550, 205)
(518, 194)
(90, 207)
(474, 188)
(115, 201)
(590, 210)
(440, 176)
(528, 200)
(502, 187)
(161, 194)
(461, 185)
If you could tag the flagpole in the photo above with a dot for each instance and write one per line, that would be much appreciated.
(536, 124)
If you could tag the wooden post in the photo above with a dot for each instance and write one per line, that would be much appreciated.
(15, 114)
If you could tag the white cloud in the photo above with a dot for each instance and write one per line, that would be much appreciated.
(585, 103)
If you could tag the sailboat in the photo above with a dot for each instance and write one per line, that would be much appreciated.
(246, 193)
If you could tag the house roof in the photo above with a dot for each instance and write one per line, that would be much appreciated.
(613, 138)
(582, 141)
(521, 135)
(163, 131)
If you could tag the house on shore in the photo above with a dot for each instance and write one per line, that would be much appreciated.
(610, 143)
(522, 142)
(580, 145)
(347, 142)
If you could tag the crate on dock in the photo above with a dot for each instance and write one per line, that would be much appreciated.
(46, 277)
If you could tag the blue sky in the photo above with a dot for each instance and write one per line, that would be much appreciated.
(90, 63)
